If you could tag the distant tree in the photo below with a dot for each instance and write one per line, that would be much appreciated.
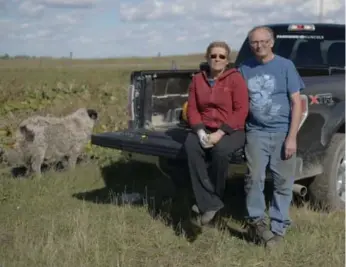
(22, 57)
(5, 56)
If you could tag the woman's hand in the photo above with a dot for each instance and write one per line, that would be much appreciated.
(204, 139)
(215, 137)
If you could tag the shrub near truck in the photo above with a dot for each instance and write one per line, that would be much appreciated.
(157, 130)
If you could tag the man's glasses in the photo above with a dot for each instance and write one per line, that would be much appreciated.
(261, 42)
(220, 56)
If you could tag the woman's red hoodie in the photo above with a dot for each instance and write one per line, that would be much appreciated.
(223, 106)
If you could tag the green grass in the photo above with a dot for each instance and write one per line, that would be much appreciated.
(73, 218)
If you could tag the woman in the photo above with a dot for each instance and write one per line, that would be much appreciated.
(216, 113)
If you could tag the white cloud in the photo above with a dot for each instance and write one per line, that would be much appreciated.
(70, 2)
(34, 8)
(329, 6)
(144, 27)
(155, 9)
(82, 40)
(29, 8)
(224, 9)
(3, 5)
(66, 19)
(67, 3)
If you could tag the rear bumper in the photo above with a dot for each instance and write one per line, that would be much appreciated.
(141, 157)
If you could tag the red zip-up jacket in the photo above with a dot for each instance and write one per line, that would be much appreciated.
(223, 106)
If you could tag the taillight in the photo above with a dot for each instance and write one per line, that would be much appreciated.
(130, 108)
(305, 109)
(301, 27)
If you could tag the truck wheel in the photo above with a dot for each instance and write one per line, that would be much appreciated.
(327, 190)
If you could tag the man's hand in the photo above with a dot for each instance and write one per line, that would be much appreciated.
(290, 147)
(215, 137)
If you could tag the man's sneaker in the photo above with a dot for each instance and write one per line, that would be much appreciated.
(273, 242)
(259, 232)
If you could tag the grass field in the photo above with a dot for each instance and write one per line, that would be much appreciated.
(77, 218)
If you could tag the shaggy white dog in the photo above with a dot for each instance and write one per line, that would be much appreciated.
(51, 139)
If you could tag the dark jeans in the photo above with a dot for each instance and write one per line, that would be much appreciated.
(209, 191)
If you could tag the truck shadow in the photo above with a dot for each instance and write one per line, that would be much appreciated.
(168, 200)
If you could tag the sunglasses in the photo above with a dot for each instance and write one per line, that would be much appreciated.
(213, 56)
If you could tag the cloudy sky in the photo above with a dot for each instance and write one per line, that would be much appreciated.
(114, 28)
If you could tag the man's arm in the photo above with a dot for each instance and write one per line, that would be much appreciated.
(296, 114)
(294, 85)
(193, 115)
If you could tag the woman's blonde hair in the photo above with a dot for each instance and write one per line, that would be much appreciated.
(221, 44)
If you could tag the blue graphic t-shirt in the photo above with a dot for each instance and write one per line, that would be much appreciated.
(270, 86)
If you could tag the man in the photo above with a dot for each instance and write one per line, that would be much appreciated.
(271, 132)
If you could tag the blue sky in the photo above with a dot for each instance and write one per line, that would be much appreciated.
(117, 28)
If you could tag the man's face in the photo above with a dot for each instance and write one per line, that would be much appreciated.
(261, 43)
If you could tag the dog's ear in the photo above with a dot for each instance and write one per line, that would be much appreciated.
(28, 134)
(92, 114)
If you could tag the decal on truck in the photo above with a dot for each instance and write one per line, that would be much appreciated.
(321, 99)
(295, 36)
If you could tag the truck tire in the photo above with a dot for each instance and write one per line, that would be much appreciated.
(323, 190)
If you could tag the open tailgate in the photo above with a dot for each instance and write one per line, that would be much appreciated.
(168, 144)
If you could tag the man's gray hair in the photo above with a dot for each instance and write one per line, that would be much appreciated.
(268, 29)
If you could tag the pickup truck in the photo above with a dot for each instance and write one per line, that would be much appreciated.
(156, 128)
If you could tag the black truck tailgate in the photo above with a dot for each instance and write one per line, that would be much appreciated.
(168, 144)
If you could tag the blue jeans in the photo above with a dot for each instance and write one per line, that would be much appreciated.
(262, 150)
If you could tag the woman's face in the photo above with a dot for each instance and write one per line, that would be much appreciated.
(218, 58)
